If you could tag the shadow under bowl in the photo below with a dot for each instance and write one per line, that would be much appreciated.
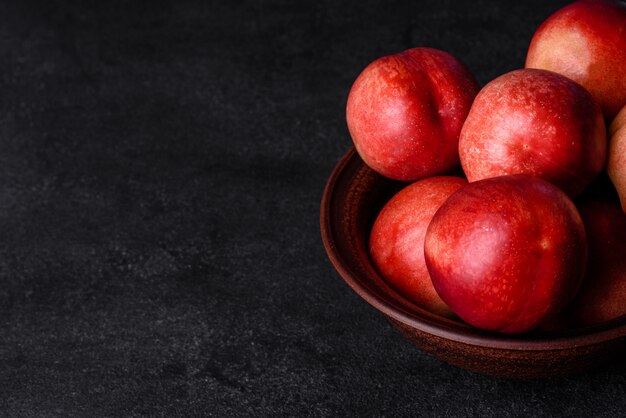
(352, 199)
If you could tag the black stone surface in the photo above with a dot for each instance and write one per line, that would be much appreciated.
(161, 167)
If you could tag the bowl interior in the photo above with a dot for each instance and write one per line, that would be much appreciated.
(352, 199)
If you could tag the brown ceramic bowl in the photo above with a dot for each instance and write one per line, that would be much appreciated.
(353, 197)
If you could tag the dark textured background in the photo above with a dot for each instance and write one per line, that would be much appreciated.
(161, 167)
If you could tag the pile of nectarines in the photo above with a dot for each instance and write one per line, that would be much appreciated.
(505, 220)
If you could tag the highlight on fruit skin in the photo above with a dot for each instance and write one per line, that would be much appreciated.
(405, 112)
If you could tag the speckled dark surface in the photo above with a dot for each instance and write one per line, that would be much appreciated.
(161, 168)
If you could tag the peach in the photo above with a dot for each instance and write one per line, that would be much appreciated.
(405, 112)
(534, 122)
(397, 239)
(586, 41)
(506, 253)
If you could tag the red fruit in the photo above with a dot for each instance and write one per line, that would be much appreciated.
(397, 239)
(405, 112)
(586, 41)
(616, 162)
(602, 296)
(538, 123)
(506, 253)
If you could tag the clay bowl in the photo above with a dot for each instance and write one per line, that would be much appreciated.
(353, 197)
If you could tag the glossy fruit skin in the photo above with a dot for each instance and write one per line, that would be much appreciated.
(602, 296)
(616, 161)
(405, 112)
(534, 122)
(397, 239)
(586, 41)
(506, 253)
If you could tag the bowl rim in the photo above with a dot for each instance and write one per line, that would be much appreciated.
(437, 327)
